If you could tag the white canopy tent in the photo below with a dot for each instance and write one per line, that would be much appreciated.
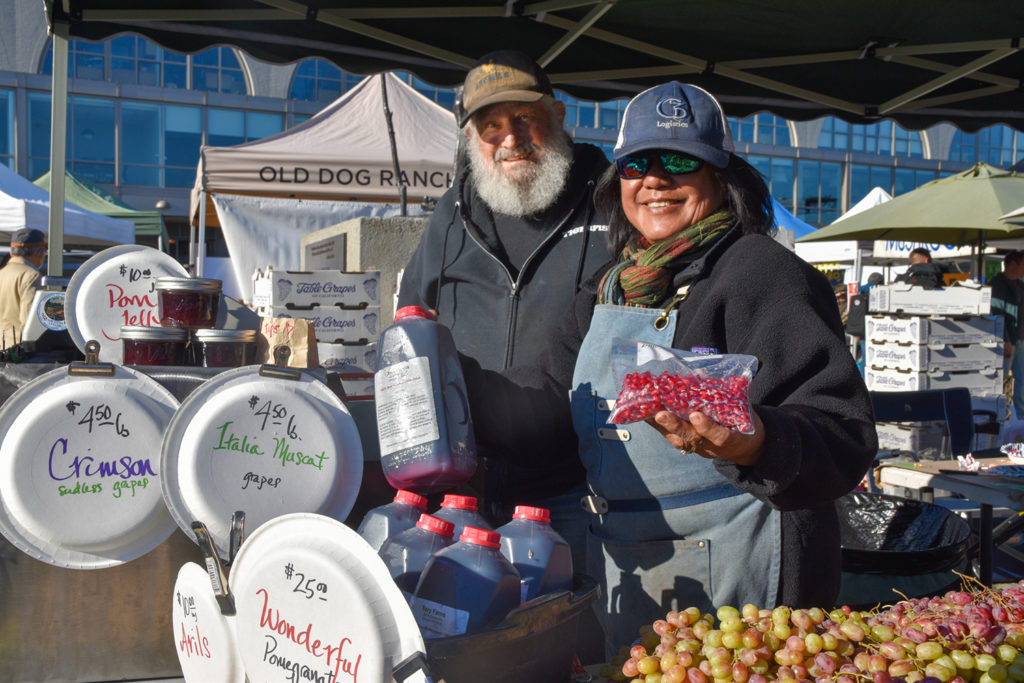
(339, 164)
(24, 204)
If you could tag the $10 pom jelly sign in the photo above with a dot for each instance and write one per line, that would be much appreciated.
(203, 637)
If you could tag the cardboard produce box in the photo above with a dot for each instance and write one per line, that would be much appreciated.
(929, 357)
(345, 357)
(336, 324)
(303, 288)
(976, 382)
(968, 298)
(357, 384)
(927, 440)
(974, 329)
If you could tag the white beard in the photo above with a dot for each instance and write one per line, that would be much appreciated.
(526, 191)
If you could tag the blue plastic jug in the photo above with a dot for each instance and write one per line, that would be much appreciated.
(407, 553)
(423, 422)
(394, 517)
(543, 558)
(462, 512)
(467, 587)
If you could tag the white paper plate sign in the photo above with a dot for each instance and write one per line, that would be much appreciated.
(204, 638)
(113, 288)
(79, 476)
(316, 603)
(262, 445)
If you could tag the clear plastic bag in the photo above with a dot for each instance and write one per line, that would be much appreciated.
(654, 378)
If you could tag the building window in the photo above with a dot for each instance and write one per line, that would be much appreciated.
(763, 129)
(997, 145)
(317, 80)
(225, 127)
(137, 61)
(884, 138)
(7, 128)
(91, 138)
(160, 144)
(778, 173)
(444, 97)
(819, 184)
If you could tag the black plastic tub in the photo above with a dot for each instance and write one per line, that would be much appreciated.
(894, 547)
(535, 643)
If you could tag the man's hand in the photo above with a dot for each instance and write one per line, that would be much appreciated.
(708, 439)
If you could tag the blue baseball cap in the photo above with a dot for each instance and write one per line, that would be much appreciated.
(676, 116)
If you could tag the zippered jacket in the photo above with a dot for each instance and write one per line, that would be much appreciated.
(503, 319)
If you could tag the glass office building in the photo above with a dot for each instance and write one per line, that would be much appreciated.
(137, 115)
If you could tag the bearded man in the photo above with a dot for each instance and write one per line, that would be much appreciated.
(509, 245)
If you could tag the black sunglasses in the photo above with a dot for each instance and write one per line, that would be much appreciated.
(635, 166)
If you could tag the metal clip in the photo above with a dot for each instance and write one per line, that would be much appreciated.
(91, 366)
(614, 434)
(595, 505)
(218, 579)
(237, 534)
(417, 661)
(661, 322)
(279, 369)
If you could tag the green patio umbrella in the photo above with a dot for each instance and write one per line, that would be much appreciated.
(962, 209)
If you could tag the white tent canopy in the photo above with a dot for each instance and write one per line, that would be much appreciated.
(342, 153)
(24, 204)
(841, 251)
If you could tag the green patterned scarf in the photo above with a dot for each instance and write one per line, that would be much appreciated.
(643, 274)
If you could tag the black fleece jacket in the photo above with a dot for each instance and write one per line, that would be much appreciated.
(501, 317)
(748, 295)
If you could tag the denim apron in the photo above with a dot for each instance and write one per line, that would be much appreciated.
(668, 531)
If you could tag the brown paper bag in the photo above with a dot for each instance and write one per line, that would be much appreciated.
(295, 333)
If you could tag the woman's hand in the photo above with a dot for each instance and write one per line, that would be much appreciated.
(708, 439)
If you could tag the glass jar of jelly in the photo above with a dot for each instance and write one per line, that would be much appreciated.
(189, 302)
(224, 348)
(154, 345)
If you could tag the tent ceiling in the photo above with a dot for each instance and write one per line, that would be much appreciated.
(919, 63)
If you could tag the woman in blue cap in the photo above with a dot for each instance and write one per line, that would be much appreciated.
(691, 512)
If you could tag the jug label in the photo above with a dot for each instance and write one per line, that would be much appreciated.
(439, 621)
(406, 415)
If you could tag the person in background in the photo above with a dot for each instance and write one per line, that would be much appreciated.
(1008, 301)
(923, 272)
(687, 511)
(506, 250)
(19, 280)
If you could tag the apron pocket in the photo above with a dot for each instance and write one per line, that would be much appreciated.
(648, 579)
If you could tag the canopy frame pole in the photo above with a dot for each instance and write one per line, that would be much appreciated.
(58, 151)
(198, 260)
(391, 140)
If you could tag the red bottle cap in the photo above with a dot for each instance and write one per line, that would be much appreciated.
(478, 536)
(411, 312)
(410, 498)
(532, 513)
(437, 525)
(459, 502)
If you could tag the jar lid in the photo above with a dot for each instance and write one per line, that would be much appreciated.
(459, 502)
(189, 284)
(478, 536)
(532, 513)
(206, 335)
(411, 312)
(143, 333)
(410, 498)
(439, 526)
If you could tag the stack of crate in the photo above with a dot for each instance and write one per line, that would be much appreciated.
(344, 307)
(919, 339)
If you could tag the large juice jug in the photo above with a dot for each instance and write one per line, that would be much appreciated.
(407, 553)
(467, 587)
(543, 558)
(423, 422)
(397, 516)
(462, 512)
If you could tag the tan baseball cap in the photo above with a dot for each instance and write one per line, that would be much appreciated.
(503, 76)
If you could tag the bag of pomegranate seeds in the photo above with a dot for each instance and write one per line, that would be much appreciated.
(654, 378)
